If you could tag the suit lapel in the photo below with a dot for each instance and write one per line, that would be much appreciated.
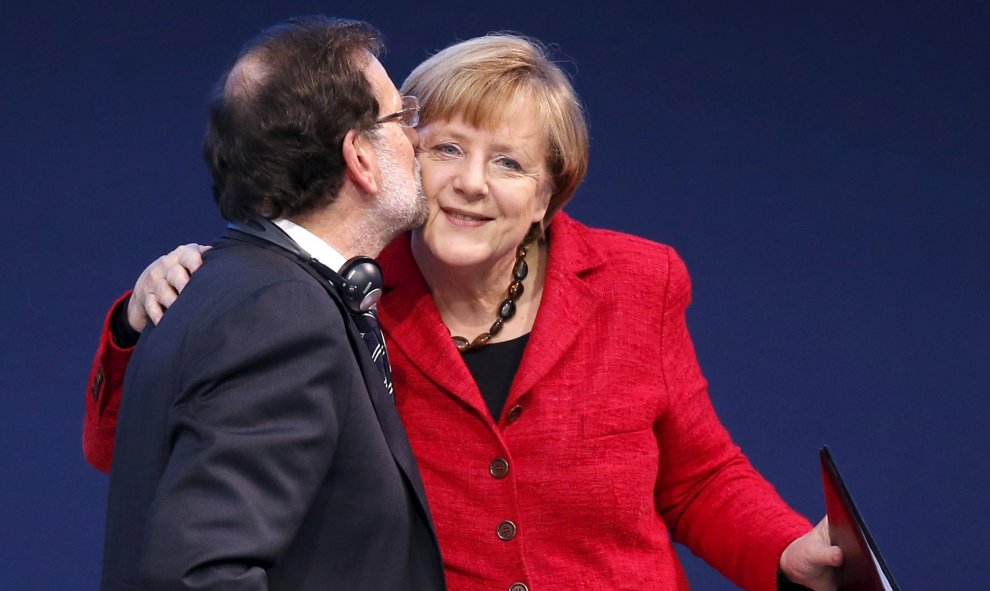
(388, 416)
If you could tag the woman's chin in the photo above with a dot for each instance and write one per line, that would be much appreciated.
(458, 257)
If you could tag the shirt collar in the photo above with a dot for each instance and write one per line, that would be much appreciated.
(313, 244)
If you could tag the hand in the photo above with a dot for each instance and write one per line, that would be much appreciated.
(161, 283)
(810, 560)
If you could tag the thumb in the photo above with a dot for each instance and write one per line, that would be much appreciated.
(822, 555)
(833, 556)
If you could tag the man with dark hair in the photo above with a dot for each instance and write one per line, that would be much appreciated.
(260, 448)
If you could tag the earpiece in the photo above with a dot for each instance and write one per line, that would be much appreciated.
(361, 286)
(358, 283)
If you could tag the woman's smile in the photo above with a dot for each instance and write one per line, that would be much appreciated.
(464, 219)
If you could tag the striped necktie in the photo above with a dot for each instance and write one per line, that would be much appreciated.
(371, 333)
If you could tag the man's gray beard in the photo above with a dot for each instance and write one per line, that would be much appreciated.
(400, 205)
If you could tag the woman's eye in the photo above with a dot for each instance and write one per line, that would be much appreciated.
(447, 149)
(509, 164)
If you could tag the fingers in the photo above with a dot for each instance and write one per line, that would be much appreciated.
(162, 281)
(155, 289)
(173, 271)
(136, 315)
(190, 257)
(152, 309)
(165, 290)
(176, 279)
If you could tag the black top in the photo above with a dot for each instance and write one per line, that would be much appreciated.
(494, 367)
(124, 336)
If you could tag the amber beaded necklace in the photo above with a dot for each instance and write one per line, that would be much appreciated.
(506, 310)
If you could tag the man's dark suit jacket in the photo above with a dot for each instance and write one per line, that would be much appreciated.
(257, 447)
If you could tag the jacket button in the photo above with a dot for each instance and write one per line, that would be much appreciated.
(499, 468)
(506, 530)
(97, 383)
(514, 413)
(519, 587)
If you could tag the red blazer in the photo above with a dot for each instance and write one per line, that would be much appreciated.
(106, 385)
(608, 446)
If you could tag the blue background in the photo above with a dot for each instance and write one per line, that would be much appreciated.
(823, 170)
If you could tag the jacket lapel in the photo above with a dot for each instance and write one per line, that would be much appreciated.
(566, 306)
(388, 416)
(413, 325)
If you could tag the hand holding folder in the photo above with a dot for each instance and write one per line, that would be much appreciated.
(863, 568)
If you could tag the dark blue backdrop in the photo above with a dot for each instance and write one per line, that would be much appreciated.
(823, 171)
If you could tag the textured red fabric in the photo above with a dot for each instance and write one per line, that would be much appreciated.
(612, 445)
(106, 383)
(616, 447)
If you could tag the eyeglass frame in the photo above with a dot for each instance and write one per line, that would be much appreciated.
(410, 111)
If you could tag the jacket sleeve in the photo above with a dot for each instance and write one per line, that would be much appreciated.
(709, 494)
(253, 433)
(103, 393)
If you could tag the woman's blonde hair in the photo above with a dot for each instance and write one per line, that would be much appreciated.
(479, 79)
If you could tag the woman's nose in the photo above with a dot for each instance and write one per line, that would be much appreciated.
(471, 180)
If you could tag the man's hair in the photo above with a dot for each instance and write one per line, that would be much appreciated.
(279, 115)
(481, 78)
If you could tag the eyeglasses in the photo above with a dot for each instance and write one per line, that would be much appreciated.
(407, 117)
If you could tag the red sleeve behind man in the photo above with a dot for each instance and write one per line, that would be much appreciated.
(103, 394)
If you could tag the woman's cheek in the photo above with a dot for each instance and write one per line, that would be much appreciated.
(430, 175)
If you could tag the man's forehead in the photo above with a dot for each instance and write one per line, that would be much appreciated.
(383, 86)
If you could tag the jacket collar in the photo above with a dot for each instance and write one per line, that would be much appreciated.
(413, 324)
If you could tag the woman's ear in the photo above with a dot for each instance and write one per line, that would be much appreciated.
(361, 161)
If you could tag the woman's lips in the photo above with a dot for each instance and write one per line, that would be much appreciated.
(463, 219)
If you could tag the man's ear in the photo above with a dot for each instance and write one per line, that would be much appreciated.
(361, 161)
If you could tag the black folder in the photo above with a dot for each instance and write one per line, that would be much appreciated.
(863, 567)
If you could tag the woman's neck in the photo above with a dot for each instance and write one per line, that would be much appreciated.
(468, 298)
